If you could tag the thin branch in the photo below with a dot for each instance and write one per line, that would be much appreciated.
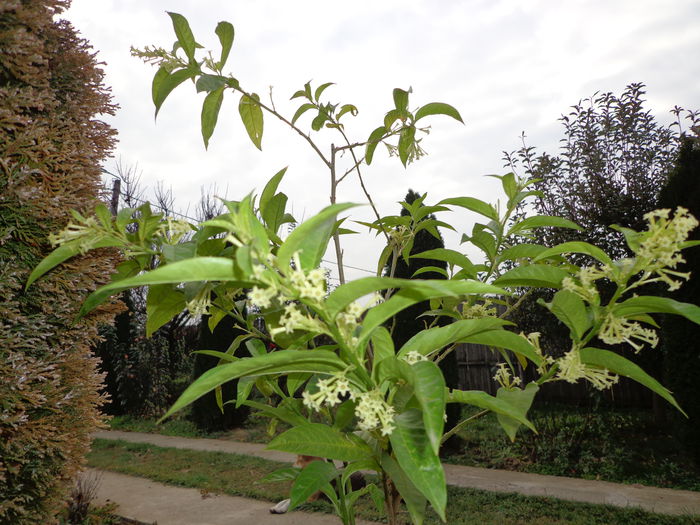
(459, 426)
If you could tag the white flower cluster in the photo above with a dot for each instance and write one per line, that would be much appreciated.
(88, 232)
(413, 357)
(504, 377)
(547, 360)
(174, 230)
(373, 412)
(571, 369)
(661, 244)
(199, 305)
(619, 330)
(329, 392)
(293, 319)
(584, 283)
(478, 311)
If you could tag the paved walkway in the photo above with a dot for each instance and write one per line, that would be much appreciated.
(152, 502)
(664, 501)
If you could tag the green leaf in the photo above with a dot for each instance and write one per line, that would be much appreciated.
(470, 203)
(619, 365)
(520, 400)
(521, 251)
(310, 480)
(570, 310)
(210, 113)
(280, 362)
(644, 304)
(438, 108)
(252, 118)
(538, 275)
(190, 270)
(311, 238)
(428, 341)
(318, 439)
(210, 83)
(347, 108)
(302, 109)
(224, 30)
(429, 388)
(407, 138)
(508, 340)
(270, 189)
(415, 291)
(400, 99)
(184, 34)
(61, 254)
(416, 457)
(382, 344)
(372, 142)
(539, 221)
(320, 89)
(414, 499)
(575, 247)
(163, 84)
(274, 214)
(281, 474)
(483, 400)
(449, 256)
(164, 302)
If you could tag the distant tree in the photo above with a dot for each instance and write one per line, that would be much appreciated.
(679, 337)
(412, 320)
(614, 160)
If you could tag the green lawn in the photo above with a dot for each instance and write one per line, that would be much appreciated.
(234, 475)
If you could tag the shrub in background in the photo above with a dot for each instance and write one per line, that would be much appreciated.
(682, 358)
(51, 146)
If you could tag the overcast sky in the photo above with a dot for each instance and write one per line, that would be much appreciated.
(508, 66)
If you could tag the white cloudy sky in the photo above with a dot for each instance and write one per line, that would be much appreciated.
(507, 65)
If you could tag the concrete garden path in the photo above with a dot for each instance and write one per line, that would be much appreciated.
(664, 501)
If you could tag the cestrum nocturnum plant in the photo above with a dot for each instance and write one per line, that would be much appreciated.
(324, 361)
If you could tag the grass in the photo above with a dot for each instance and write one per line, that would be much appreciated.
(235, 475)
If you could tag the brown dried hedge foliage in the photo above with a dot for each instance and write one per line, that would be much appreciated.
(51, 146)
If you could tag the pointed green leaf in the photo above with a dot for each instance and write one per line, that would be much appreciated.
(619, 365)
(302, 109)
(428, 341)
(429, 389)
(539, 221)
(163, 302)
(271, 189)
(570, 310)
(576, 247)
(400, 99)
(521, 400)
(320, 89)
(416, 457)
(414, 499)
(311, 238)
(538, 275)
(407, 138)
(438, 108)
(645, 304)
(470, 203)
(163, 84)
(452, 257)
(280, 362)
(483, 400)
(347, 108)
(317, 439)
(310, 480)
(372, 142)
(190, 270)
(283, 414)
(252, 118)
(210, 83)
(508, 340)
(521, 251)
(210, 113)
(183, 33)
(225, 32)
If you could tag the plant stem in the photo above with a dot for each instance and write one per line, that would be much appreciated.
(459, 426)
